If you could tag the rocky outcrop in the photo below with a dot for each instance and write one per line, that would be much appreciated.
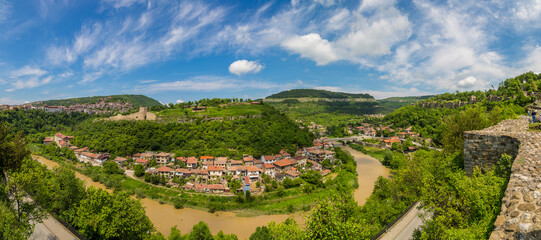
(520, 216)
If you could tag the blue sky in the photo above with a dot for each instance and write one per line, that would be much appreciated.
(187, 50)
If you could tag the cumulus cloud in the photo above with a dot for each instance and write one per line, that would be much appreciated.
(241, 67)
(468, 82)
(312, 46)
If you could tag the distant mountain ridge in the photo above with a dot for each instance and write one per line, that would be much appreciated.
(316, 93)
(135, 100)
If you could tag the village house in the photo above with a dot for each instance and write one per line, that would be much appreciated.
(389, 142)
(147, 155)
(248, 161)
(163, 158)
(164, 171)
(258, 163)
(142, 161)
(87, 157)
(120, 161)
(59, 137)
(182, 172)
(253, 172)
(215, 171)
(292, 174)
(269, 169)
(268, 159)
(206, 164)
(48, 140)
(301, 160)
(284, 164)
(216, 188)
(221, 161)
(191, 162)
(235, 163)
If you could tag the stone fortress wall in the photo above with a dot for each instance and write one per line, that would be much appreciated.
(520, 216)
(143, 114)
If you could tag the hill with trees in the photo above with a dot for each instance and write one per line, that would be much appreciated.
(135, 100)
(315, 93)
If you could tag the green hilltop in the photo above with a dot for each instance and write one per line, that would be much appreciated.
(315, 93)
(136, 100)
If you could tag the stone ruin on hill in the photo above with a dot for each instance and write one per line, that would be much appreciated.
(520, 216)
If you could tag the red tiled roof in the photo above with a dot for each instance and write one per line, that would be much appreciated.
(268, 158)
(162, 154)
(206, 157)
(215, 168)
(141, 160)
(248, 159)
(164, 169)
(192, 160)
(253, 169)
(182, 170)
(291, 173)
(120, 159)
(60, 135)
(284, 163)
(48, 139)
(268, 165)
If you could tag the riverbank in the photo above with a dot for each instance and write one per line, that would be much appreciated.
(165, 216)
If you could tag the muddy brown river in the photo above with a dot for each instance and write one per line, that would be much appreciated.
(165, 216)
(368, 170)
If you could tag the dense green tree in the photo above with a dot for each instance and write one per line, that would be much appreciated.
(200, 231)
(104, 216)
(139, 170)
(262, 233)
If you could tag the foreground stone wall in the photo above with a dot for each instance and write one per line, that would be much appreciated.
(520, 216)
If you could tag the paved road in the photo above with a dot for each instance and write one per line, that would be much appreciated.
(50, 229)
(404, 228)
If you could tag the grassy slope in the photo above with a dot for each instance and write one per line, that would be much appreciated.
(227, 111)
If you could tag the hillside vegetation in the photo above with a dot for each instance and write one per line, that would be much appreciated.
(135, 100)
(315, 93)
(268, 134)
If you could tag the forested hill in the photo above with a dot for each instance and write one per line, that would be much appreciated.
(269, 134)
(314, 93)
(135, 100)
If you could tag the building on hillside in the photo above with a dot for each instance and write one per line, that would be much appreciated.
(248, 160)
(215, 171)
(269, 169)
(121, 161)
(191, 162)
(268, 159)
(285, 164)
(163, 158)
(165, 171)
(48, 140)
(142, 161)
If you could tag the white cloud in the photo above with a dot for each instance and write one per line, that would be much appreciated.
(312, 46)
(179, 101)
(533, 61)
(468, 82)
(205, 83)
(5, 10)
(241, 67)
(528, 10)
(28, 71)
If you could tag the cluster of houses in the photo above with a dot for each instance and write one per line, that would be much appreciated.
(204, 169)
(102, 106)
